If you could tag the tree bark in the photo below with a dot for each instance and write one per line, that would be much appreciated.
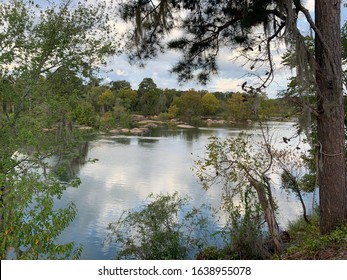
(269, 214)
(331, 138)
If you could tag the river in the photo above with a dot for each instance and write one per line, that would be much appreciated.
(129, 168)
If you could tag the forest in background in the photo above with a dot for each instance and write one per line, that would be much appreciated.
(69, 101)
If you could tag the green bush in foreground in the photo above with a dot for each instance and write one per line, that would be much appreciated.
(161, 230)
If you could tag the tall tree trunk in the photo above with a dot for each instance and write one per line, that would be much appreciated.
(331, 162)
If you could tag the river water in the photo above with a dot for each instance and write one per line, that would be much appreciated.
(129, 168)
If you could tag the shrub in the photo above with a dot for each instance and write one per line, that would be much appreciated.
(160, 230)
(85, 114)
(107, 120)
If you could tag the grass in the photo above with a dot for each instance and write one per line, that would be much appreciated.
(307, 243)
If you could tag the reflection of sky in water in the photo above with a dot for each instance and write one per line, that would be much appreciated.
(130, 168)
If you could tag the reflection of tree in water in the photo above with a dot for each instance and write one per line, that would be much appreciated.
(124, 141)
(189, 134)
(145, 142)
(183, 133)
(68, 165)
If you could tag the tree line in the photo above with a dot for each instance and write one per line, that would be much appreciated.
(109, 106)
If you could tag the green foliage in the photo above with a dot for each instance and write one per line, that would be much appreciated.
(57, 36)
(242, 171)
(279, 108)
(238, 108)
(246, 234)
(127, 98)
(92, 93)
(189, 106)
(243, 232)
(106, 100)
(158, 231)
(210, 104)
(307, 241)
(232, 160)
(152, 101)
(214, 253)
(116, 86)
(30, 224)
(84, 114)
(165, 116)
(45, 54)
(146, 85)
(107, 121)
(173, 111)
(122, 117)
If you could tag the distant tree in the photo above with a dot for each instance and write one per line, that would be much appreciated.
(92, 94)
(238, 107)
(127, 98)
(116, 86)
(146, 85)
(188, 105)
(169, 96)
(106, 101)
(152, 101)
(84, 114)
(210, 104)
(278, 107)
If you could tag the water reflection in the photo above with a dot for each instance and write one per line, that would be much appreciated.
(130, 168)
(67, 166)
(124, 141)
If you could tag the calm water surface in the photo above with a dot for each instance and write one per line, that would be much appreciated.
(129, 168)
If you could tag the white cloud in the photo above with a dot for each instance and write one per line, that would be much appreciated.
(227, 84)
(121, 72)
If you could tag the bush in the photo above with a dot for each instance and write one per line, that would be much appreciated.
(165, 116)
(85, 114)
(122, 117)
(161, 230)
(245, 228)
(107, 120)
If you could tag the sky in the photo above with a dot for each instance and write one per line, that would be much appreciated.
(230, 77)
(231, 73)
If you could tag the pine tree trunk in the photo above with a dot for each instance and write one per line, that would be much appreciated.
(331, 138)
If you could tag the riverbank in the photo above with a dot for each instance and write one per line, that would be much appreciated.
(306, 243)
(142, 125)
(302, 241)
